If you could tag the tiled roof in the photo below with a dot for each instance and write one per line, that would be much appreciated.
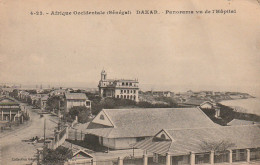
(185, 141)
(75, 96)
(241, 122)
(148, 121)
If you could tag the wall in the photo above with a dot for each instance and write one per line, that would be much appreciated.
(72, 103)
(131, 93)
(109, 142)
(124, 143)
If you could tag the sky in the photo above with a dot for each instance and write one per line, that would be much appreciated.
(165, 52)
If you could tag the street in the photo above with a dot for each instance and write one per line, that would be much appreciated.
(13, 151)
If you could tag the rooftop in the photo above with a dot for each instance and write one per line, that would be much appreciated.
(8, 101)
(184, 141)
(141, 122)
(75, 96)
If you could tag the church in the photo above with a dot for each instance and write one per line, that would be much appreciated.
(118, 88)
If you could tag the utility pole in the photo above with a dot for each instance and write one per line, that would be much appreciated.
(44, 131)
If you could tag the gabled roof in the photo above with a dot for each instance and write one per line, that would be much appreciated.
(192, 140)
(148, 121)
(241, 122)
(75, 96)
(207, 102)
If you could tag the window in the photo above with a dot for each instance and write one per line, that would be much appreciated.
(163, 136)
(124, 91)
(123, 83)
(128, 96)
(130, 84)
(121, 96)
(127, 91)
(134, 91)
(121, 91)
(126, 84)
(117, 96)
(102, 117)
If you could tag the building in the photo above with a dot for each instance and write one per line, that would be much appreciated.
(207, 105)
(121, 88)
(239, 145)
(58, 92)
(6, 91)
(120, 128)
(43, 101)
(79, 154)
(76, 99)
(161, 93)
(9, 109)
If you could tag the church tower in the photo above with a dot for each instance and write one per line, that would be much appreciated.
(103, 75)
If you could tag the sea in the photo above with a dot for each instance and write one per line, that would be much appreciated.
(251, 105)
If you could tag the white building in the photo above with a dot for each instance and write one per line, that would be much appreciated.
(76, 99)
(124, 89)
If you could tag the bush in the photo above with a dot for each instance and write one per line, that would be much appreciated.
(57, 156)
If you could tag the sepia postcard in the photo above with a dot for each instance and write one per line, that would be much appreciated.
(120, 82)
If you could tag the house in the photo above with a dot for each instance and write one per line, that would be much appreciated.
(207, 105)
(162, 93)
(23, 96)
(120, 128)
(6, 91)
(76, 99)
(58, 92)
(118, 88)
(199, 103)
(239, 144)
(80, 155)
(43, 101)
(9, 109)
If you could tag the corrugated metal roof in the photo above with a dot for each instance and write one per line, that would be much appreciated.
(148, 121)
(191, 140)
(75, 96)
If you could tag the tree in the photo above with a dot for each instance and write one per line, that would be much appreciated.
(54, 102)
(29, 100)
(14, 94)
(82, 112)
(217, 146)
(57, 156)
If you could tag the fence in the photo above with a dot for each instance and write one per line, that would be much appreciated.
(58, 139)
(92, 162)
(74, 134)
